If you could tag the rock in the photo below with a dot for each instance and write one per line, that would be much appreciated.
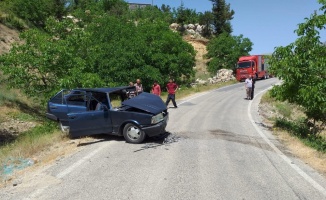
(174, 26)
(225, 74)
(222, 75)
(199, 29)
(191, 31)
(191, 26)
(16, 182)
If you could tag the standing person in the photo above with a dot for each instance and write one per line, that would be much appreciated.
(156, 89)
(131, 92)
(248, 86)
(139, 87)
(171, 87)
(253, 87)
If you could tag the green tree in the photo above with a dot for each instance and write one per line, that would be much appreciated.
(222, 16)
(302, 67)
(47, 62)
(206, 19)
(151, 14)
(37, 11)
(225, 50)
(165, 8)
(115, 7)
(103, 50)
(185, 15)
(58, 8)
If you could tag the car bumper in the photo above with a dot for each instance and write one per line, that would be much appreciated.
(156, 129)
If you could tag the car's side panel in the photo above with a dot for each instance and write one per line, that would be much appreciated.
(89, 123)
(122, 117)
(59, 110)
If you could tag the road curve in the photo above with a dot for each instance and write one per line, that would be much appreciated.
(220, 154)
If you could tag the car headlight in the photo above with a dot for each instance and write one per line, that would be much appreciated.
(157, 118)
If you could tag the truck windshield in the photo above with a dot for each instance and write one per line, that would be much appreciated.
(244, 64)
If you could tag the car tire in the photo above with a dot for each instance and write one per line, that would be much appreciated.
(133, 134)
(63, 128)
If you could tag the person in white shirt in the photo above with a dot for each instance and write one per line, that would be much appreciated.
(248, 86)
(139, 86)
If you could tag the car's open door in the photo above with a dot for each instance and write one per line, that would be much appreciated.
(90, 122)
(58, 105)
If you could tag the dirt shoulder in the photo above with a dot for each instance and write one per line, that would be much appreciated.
(310, 156)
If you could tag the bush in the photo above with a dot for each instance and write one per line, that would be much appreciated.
(12, 21)
(302, 67)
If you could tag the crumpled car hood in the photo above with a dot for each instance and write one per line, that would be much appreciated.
(148, 102)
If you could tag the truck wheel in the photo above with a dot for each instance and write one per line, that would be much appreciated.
(133, 134)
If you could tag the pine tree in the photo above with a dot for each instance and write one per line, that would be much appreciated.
(222, 16)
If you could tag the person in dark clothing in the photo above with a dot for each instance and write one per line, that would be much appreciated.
(171, 87)
(253, 86)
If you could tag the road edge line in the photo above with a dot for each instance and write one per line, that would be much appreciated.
(79, 162)
(66, 172)
(279, 152)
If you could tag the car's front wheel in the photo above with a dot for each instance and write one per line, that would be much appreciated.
(133, 134)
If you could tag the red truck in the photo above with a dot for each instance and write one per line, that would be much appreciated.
(252, 65)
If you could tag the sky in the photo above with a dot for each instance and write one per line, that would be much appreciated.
(267, 23)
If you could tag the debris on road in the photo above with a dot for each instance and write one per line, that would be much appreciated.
(161, 140)
(171, 138)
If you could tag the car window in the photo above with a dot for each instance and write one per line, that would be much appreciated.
(59, 98)
(115, 100)
(97, 99)
(77, 100)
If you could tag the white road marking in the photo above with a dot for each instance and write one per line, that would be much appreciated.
(80, 162)
(284, 157)
(67, 171)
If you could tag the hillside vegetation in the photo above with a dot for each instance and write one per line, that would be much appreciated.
(103, 43)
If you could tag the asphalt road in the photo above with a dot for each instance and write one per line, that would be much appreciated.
(222, 152)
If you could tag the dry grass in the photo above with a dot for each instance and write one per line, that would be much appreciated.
(28, 146)
(310, 156)
(271, 110)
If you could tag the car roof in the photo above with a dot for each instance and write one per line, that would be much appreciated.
(105, 90)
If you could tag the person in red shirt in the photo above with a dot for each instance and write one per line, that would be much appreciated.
(156, 89)
(171, 87)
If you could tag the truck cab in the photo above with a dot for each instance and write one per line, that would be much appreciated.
(251, 65)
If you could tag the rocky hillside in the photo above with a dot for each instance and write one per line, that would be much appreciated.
(200, 48)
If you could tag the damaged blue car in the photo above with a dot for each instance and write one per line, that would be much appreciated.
(89, 111)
